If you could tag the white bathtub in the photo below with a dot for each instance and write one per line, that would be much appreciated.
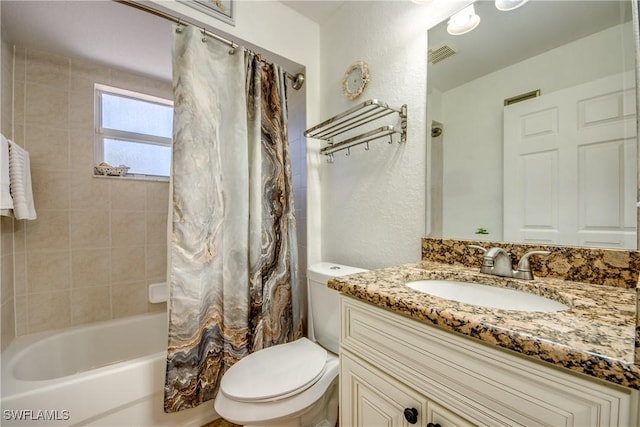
(105, 374)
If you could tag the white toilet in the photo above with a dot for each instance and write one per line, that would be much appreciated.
(293, 384)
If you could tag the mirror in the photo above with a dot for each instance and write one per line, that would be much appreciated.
(558, 165)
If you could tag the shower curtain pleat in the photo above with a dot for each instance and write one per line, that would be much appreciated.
(275, 314)
(232, 258)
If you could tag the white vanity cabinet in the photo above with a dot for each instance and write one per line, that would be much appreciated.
(391, 364)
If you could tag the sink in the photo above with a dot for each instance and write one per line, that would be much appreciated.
(487, 296)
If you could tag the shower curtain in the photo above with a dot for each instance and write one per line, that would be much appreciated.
(233, 262)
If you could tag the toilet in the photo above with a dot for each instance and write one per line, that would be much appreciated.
(293, 384)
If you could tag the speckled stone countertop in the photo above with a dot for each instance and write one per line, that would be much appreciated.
(596, 336)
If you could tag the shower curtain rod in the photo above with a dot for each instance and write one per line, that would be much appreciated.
(296, 80)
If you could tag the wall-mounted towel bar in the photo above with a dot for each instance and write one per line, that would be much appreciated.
(358, 116)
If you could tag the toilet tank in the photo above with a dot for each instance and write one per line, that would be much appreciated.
(324, 303)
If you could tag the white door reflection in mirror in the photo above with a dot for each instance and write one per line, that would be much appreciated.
(570, 166)
(545, 45)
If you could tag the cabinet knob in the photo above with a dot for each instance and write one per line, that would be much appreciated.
(433, 425)
(411, 415)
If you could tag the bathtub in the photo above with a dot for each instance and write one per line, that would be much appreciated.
(104, 374)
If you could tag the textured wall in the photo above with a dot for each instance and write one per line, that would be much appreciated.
(373, 203)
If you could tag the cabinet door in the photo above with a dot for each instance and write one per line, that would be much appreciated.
(370, 398)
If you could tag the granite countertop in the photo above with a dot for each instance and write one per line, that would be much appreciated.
(596, 336)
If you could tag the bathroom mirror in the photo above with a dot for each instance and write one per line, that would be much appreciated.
(558, 164)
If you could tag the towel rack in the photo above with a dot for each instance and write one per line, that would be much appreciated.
(358, 116)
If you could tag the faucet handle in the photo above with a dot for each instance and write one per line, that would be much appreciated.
(487, 263)
(477, 247)
(524, 269)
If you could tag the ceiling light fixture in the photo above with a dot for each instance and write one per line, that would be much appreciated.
(507, 5)
(463, 21)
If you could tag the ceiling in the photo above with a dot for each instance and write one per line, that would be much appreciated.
(316, 10)
(108, 32)
(103, 31)
(505, 38)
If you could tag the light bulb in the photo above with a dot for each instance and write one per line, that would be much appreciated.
(463, 21)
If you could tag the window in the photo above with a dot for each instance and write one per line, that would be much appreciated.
(133, 129)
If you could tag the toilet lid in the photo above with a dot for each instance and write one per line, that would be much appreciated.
(275, 373)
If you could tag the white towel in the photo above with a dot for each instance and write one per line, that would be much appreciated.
(6, 202)
(20, 177)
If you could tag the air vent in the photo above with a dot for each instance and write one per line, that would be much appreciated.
(440, 54)
(522, 97)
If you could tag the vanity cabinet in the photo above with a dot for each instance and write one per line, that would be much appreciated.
(391, 363)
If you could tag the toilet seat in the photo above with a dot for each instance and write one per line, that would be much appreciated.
(278, 412)
(275, 373)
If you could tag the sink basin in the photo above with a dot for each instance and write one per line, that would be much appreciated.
(487, 296)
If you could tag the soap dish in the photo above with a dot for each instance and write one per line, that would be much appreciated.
(158, 292)
(108, 170)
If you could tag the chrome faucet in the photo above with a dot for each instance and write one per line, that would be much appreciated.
(497, 261)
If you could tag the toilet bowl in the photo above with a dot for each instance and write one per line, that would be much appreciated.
(293, 384)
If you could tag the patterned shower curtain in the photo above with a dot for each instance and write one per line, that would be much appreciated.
(233, 261)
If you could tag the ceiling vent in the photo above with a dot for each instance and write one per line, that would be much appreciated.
(440, 54)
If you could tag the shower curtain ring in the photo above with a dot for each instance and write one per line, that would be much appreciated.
(390, 138)
(348, 152)
(204, 33)
(330, 158)
(366, 146)
(180, 26)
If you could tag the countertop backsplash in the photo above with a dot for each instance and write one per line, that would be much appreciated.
(609, 267)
